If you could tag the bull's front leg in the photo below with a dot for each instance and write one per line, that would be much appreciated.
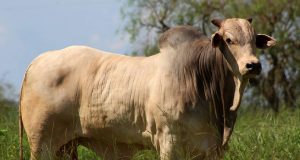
(170, 147)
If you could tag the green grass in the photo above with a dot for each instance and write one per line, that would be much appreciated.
(258, 135)
(265, 136)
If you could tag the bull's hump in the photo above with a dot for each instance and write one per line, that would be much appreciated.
(179, 35)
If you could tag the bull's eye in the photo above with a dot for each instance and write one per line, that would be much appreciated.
(229, 41)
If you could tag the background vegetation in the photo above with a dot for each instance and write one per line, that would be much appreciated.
(268, 125)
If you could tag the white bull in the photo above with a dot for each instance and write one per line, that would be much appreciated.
(181, 102)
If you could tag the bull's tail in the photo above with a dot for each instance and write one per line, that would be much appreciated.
(20, 119)
(20, 132)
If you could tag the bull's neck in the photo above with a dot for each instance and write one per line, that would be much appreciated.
(198, 70)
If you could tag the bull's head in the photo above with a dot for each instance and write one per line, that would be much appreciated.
(237, 40)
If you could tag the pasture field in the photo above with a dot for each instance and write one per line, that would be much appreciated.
(258, 135)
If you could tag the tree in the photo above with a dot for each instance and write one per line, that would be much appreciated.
(280, 18)
(7, 95)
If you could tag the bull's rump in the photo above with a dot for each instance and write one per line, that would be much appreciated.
(84, 92)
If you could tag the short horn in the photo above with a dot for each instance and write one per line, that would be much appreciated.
(217, 22)
(249, 20)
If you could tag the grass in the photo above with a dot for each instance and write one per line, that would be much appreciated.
(258, 135)
(266, 136)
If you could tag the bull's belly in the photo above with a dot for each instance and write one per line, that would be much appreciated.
(114, 125)
(122, 124)
(117, 134)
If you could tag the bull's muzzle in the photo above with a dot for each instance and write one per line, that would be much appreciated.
(253, 68)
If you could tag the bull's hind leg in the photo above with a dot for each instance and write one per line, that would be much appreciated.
(52, 149)
(40, 149)
(47, 133)
(47, 139)
(68, 151)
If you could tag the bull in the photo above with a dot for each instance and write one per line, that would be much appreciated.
(181, 101)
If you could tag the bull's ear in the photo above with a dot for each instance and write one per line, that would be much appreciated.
(264, 41)
(216, 39)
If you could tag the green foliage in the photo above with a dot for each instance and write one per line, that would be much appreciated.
(86, 154)
(146, 155)
(9, 142)
(265, 135)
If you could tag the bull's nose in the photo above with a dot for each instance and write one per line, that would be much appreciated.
(254, 68)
